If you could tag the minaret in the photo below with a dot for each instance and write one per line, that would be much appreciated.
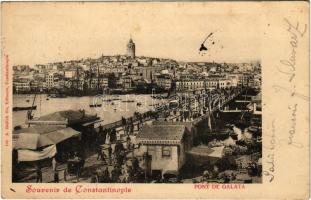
(130, 48)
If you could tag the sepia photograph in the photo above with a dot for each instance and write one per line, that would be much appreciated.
(101, 95)
(137, 112)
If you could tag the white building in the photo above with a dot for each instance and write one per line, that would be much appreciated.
(22, 85)
(70, 73)
(167, 145)
(183, 85)
(50, 79)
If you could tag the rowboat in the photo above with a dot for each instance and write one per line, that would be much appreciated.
(24, 108)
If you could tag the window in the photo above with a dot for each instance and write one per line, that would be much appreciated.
(150, 148)
(166, 151)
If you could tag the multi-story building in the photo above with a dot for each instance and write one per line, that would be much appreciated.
(164, 82)
(211, 83)
(78, 84)
(126, 82)
(50, 79)
(224, 83)
(69, 73)
(22, 85)
(96, 83)
(183, 85)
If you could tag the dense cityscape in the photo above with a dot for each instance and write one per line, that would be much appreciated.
(130, 74)
(199, 122)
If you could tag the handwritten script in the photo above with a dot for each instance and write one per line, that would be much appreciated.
(287, 68)
(270, 158)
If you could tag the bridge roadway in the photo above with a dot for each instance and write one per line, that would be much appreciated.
(217, 101)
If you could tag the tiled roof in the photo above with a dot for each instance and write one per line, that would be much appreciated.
(162, 132)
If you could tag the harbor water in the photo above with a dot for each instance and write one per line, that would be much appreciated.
(112, 109)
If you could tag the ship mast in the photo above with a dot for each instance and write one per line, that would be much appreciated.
(29, 112)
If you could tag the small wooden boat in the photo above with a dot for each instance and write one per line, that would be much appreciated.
(95, 105)
(17, 108)
(58, 96)
(18, 127)
(128, 101)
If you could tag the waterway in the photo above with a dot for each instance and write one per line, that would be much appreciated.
(110, 111)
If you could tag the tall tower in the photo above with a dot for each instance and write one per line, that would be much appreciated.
(131, 48)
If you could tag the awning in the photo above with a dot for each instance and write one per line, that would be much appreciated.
(30, 155)
(93, 122)
(36, 139)
(170, 173)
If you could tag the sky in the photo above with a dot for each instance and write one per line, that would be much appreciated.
(38, 33)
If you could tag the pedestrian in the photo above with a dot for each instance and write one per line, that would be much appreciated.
(104, 135)
(103, 157)
(94, 178)
(128, 139)
(106, 176)
(39, 174)
(109, 151)
(113, 136)
(100, 134)
(99, 152)
(132, 128)
(54, 164)
(56, 176)
(123, 121)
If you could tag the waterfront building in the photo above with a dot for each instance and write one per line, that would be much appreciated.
(76, 83)
(126, 82)
(182, 85)
(131, 48)
(166, 144)
(96, 83)
(21, 85)
(49, 79)
(164, 81)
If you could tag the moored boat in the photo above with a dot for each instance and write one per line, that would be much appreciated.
(58, 95)
(95, 105)
(128, 101)
(20, 108)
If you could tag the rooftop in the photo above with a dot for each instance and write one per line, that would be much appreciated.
(66, 116)
(162, 132)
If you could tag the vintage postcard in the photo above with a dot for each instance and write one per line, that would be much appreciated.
(140, 100)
